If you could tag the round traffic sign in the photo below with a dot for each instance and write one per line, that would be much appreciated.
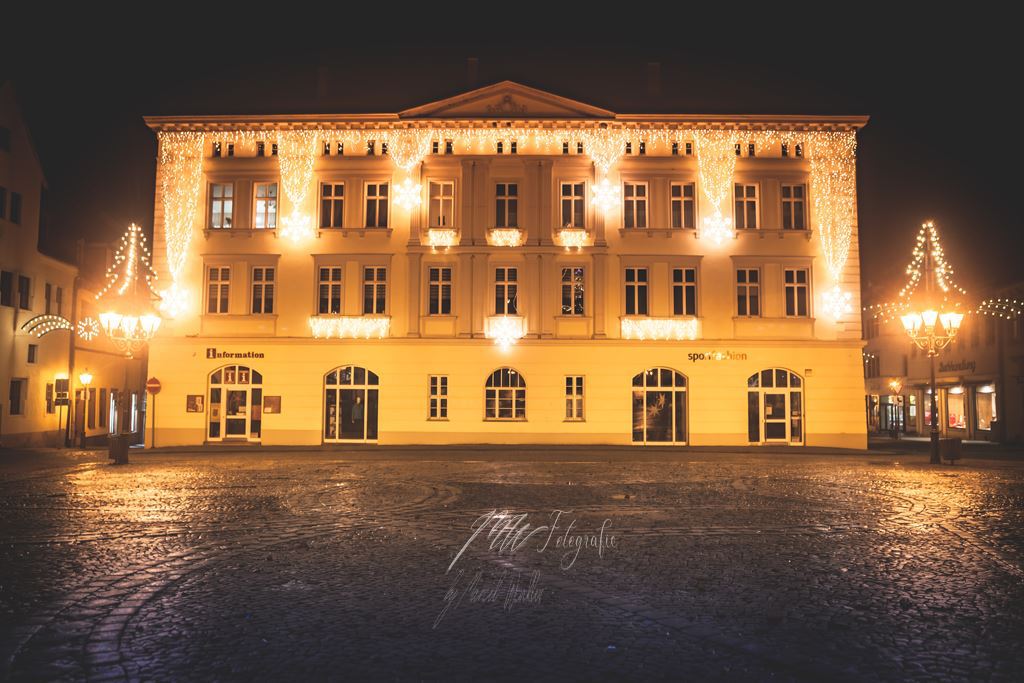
(153, 385)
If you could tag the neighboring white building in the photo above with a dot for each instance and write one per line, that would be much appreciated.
(630, 325)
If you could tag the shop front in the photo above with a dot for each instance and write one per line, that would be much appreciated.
(967, 410)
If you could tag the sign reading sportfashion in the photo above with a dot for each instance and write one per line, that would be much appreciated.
(213, 353)
(715, 355)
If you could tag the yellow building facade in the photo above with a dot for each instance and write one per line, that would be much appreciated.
(555, 279)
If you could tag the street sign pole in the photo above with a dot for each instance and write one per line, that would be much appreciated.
(153, 387)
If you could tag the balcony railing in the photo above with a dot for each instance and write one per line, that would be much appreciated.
(350, 326)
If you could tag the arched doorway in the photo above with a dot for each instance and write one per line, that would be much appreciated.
(235, 409)
(775, 407)
(350, 404)
(659, 407)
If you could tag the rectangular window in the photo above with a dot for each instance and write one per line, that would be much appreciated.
(329, 290)
(7, 288)
(48, 295)
(33, 353)
(572, 291)
(684, 291)
(261, 148)
(3, 202)
(684, 205)
(265, 206)
(506, 205)
(60, 299)
(506, 291)
(793, 207)
(221, 205)
(796, 292)
(438, 397)
(574, 397)
(218, 284)
(92, 408)
(24, 287)
(748, 292)
(440, 290)
(16, 207)
(634, 207)
(572, 205)
(50, 405)
(16, 402)
(746, 213)
(442, 204)
(103, 407)
(375, 290)
(636, 291)
(332, 205)
(376, 205)
(263, 290)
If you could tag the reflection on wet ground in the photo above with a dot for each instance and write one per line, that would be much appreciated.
(334, 565)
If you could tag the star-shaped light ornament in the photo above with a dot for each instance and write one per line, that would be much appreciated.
(837, 302)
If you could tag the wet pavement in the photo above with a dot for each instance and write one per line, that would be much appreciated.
(660, 566)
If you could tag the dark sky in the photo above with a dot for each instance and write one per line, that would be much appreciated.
(939, 144)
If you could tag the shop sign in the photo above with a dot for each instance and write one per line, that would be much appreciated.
(715, 355)
(214, 354)
(960, 366)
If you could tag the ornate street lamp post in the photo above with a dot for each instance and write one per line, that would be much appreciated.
(933, 323)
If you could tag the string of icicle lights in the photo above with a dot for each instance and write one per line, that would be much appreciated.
(832, 156)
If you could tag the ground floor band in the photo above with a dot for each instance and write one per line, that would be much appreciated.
(301, 392)
(966, 409)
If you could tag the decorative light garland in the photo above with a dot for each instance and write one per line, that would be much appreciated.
(1007, 309)
(505, 237)
(350, 326)
(660, 328)
(296, 151)
(130, 255)
(442, 237)
(571, 238)
(716, 162)
(129, 317)
(181, 176)
(42, 325)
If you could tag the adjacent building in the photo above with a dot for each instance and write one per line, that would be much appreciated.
(466, 272)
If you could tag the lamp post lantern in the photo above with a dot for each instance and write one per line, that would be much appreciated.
(937, 322)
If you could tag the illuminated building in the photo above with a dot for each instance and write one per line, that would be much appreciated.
(508, 266)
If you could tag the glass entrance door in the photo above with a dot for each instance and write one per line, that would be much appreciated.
(236, 404)
(775, 407)
(350, 405)
(775, 428)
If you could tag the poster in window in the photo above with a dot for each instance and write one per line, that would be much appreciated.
(271, 404)
(194, 403)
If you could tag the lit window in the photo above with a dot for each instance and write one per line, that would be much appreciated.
(748, 292)
(574, 397)
(374, 290)
(746, 199)
(438, 397)
(263, 290)
(376, 205)
(572, 291)
(329, 291)
(684, 205)
(636, 291)
(506, 291)
(221, 205)
(332, 205)
(793, 207)
(796, 292)
(505, 395)
(684, 291)
(265, 207)
(440, 290)
(218, 283)
(634, 209)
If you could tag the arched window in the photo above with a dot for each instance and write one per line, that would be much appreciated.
(659, 406)
(775, 407)
(236, 404)
(505, 396)
(350, 404)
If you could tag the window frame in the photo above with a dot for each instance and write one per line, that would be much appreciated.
(437, 401)
(381, 200)
(508, 392)
(22, 403)
(570, 287)
(747, 201)
(223, 289)
(631, 290)
(213, 199)
(442, 285)
(442, 199)
(746, 285)
(331, 283)
(502, 202)
(797, 288)
(793, 201)
(333, 201)
(575, 398)
(379, 288)
(506, 283)
(24, 292)
(683, 201)
(262, 284)
(631, 204)
(573, 199)
(275, 200)
(684, 286)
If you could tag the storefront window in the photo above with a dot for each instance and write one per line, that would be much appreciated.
(928, 409)
(955, 408)
(985, 403)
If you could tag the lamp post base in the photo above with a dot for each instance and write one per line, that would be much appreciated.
(935, 459)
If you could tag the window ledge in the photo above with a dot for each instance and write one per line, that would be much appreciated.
(661, 232)
(238, 232)
(238, 316)
(361, 232)
(790, 318)
(781, 234)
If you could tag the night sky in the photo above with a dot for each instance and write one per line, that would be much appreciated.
(939, 144)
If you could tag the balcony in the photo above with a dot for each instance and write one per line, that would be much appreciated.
(350, 326)
(505, 330)
(646, 328)
(506, 237)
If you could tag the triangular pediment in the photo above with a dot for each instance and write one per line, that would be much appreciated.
(506, 100)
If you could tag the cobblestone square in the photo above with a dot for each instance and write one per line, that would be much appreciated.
(642, 565)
